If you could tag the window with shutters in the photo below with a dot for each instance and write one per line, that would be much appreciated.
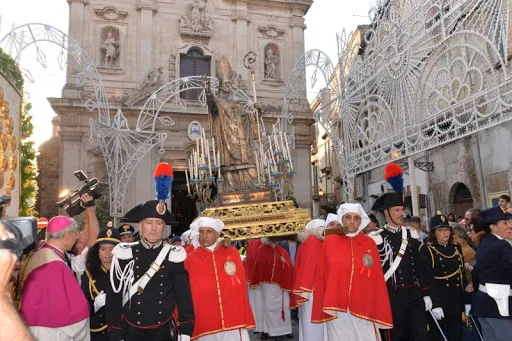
(194, 63)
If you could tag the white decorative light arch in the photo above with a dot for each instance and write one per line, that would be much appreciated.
(435, 70)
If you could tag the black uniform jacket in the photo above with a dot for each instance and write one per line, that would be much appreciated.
(448, 282)
(168, 288)
(411, 271)
(92, 284)
(493, 265)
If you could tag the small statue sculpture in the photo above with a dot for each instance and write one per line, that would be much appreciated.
(110, 45)
(270, 64)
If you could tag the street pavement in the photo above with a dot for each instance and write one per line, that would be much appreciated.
(295, 329)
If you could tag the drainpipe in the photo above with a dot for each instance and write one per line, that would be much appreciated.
(481, 178)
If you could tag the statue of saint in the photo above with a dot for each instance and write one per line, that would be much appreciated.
(110, 45)
(270, 64)
(234, 131)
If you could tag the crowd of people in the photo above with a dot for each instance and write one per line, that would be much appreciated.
(342, 278)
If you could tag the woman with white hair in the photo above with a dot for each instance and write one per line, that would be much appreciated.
(304, 279)
(350, 293)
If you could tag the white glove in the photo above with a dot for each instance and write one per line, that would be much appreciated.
(184, 337)
(375, 235)
(99, 301)
(438, 313)
(467, 308)
(428, 303)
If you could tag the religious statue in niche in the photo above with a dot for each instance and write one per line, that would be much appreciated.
(152, 78)
(197, 23)
(233, 129)
(271, 60)
(110, 46)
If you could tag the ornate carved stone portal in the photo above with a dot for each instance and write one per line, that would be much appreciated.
(196, 23)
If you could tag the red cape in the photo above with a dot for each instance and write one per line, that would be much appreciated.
(189, 249)
(219, 291)
(344, 282)
(252, 248)
(51, 295)
(306, 263)
(272, 265)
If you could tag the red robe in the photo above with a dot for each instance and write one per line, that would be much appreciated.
(219, 291)
(306, 263)
(272, 265)
(252, 249)
(343, 281)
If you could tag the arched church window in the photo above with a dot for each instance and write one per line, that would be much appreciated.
(194, 63)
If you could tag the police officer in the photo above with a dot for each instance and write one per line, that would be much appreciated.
(448, 284)
(126, 232)
(492, 277)
(96, 281)
(405, 275)
(148, 281)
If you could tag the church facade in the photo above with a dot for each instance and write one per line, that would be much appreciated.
(138, 46)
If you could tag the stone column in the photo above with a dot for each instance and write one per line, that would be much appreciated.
(70, 158)
(77, 32)
(146, 9)
(298, 27)
(241, 42)
(302, 165)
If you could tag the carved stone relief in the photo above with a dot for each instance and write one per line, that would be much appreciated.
(152, 78)
(196, 23)
(271, 31)
(110, 13)
(110, 47)
(172, 67)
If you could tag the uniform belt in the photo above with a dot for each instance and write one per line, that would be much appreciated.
(403, 286)
(483, 289)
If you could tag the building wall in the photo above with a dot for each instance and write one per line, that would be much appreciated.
(149, 38)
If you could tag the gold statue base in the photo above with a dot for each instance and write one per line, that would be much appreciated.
(252, 214)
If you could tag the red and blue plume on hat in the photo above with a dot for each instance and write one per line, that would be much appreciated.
(394, 175)
(163, 176)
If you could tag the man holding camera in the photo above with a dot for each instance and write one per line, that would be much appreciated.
(86, 238)
(49, 286)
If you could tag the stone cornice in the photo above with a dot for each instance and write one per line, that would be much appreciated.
(70, 135)
(146, 4)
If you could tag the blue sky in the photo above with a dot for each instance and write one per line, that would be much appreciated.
(324, 19)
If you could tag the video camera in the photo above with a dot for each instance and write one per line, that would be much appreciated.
(71, 203)
(24, 230)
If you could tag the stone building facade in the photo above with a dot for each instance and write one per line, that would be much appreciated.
(48, 162)
(139, 45)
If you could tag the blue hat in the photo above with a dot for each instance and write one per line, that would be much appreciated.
(176, 239)
(439, 221)
(108, 235)
(494, 215)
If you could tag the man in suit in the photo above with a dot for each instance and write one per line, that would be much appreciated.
(492, 277)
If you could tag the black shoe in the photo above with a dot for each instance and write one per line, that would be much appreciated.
(255, 332)
(264, 336)
(289, 336)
